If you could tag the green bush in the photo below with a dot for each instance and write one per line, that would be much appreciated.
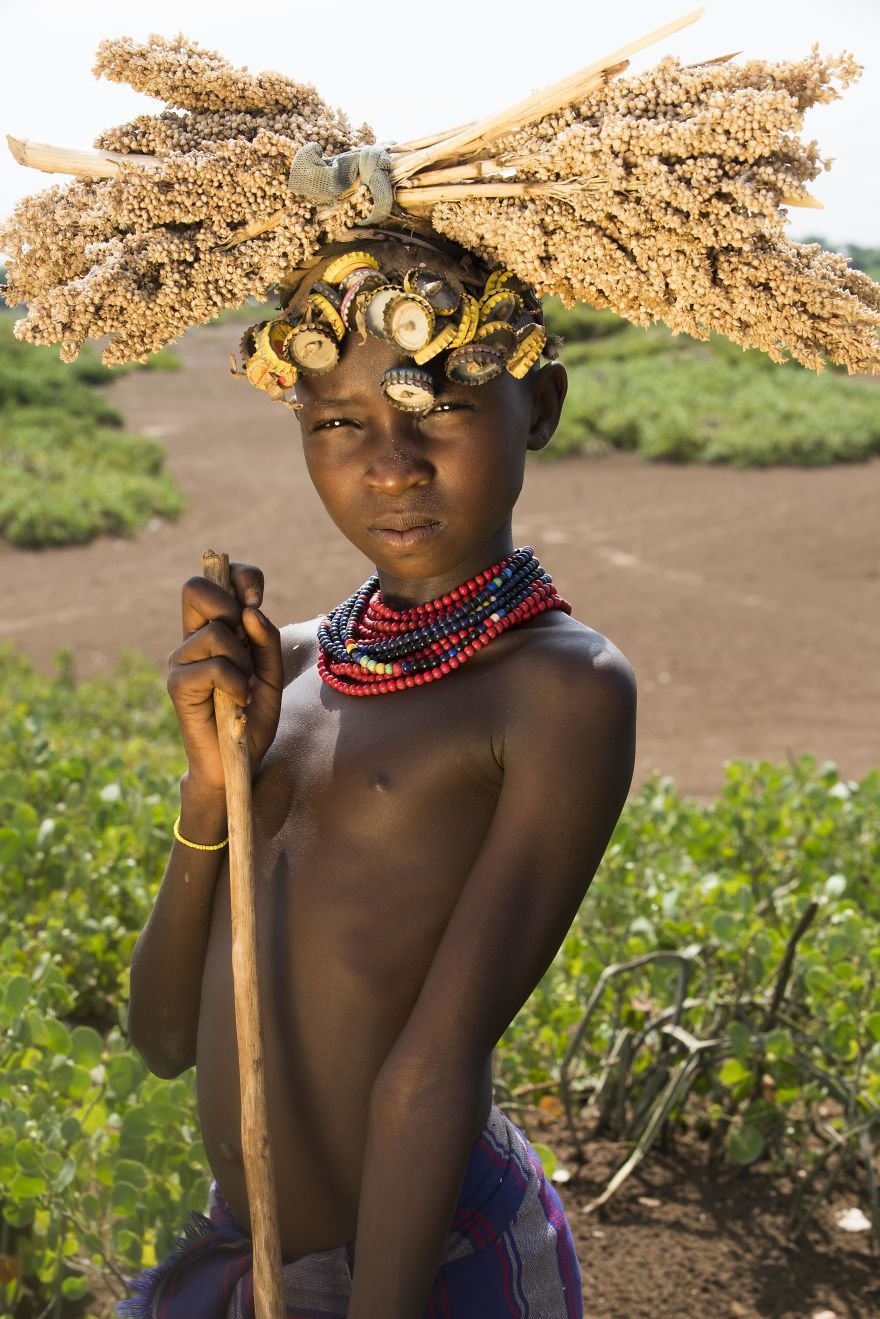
(682, 401)
(67, 480)
(100, 1162)
(70, 473)
(717, 892)
(88, 777)
(679, 399)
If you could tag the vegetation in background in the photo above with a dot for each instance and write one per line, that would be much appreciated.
(70, 472)
(676, 398)
(101, 1162)
(863, 258)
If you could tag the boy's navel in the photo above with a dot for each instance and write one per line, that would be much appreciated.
(381, 781)
(229, 1152)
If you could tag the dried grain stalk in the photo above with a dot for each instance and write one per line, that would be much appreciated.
(659, 195)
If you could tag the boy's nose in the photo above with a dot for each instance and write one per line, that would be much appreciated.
(398, 466)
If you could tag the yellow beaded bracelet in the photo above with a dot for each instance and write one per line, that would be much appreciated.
(202, 847)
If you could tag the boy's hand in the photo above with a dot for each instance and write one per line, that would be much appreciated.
(228, 643)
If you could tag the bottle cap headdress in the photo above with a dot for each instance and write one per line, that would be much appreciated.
(478, 323)
(660, 195)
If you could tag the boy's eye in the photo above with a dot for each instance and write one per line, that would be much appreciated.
(334, 422)
(446, 407)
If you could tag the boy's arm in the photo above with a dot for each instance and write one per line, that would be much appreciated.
(568, 760)
(168, 958)
(228, 643)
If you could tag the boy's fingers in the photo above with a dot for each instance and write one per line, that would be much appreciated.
(192, 685)
(203, 601)
(214, 638)
(247, 582)
(265, 643)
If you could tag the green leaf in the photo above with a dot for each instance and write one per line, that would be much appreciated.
(778, 1043)
(18, 991)
(818, 982)
(18, 1215)
(872, 1023)
(129, 1171)
(70, 1130)
(86, 1047)
(842, 1040)
(840, 945)
(26, 1186)
(123, 1074)
(66, 1175)
(740, 1039)
(12, 847)
(124, 1198)
(74, 1289)
(128, 1245)
(732, 1072)
(79, 1083)
(57, 1036)
(548, 1158)
(744, 1144)
(61, 1074)
(37, 1027)
(725, 927)
(27, 1155)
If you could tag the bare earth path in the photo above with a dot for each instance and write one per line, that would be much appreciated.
(747, 601)
(749, 606)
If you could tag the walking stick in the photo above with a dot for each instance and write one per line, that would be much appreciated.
(256, 1146)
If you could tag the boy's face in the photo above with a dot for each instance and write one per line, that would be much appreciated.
(455, 471)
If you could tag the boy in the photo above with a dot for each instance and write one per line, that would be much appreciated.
(419, 857)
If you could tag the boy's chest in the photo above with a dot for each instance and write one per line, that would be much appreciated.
(410, 778)
(370, 813)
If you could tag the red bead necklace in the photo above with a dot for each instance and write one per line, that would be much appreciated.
(370, 649)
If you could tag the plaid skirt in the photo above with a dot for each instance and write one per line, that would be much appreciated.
(510, 1252)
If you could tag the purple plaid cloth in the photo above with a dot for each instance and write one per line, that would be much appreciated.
(510, 1253)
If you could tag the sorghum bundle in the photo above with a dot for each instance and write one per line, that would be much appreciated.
(657, 195)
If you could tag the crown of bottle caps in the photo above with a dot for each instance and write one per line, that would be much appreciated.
(421, 312)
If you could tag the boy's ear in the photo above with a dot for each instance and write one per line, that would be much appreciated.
(549, 387)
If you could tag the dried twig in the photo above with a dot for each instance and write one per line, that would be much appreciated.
(475, 137)
(802, 926)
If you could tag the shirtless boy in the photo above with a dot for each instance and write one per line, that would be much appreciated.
(420, 855)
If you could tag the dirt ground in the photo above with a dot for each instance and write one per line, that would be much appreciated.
(748, 602)
(749, 605)
(676, 1242)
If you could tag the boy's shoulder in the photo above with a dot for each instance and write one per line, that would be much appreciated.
(299, 647)
(569, 704)
(560, 652)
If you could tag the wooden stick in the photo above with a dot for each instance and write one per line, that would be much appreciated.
(83, 162)
(413, 198)
(469, 172)
(256, 1145)
(416, 144)
(535, 106)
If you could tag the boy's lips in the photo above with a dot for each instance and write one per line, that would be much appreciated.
(405, 530)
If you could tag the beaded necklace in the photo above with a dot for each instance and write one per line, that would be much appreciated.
(369, 649)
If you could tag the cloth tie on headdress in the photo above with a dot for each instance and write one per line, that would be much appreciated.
(324, 181)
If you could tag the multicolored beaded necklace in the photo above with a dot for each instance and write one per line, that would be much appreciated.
(369, 649)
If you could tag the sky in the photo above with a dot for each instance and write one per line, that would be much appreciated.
(409, 69)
